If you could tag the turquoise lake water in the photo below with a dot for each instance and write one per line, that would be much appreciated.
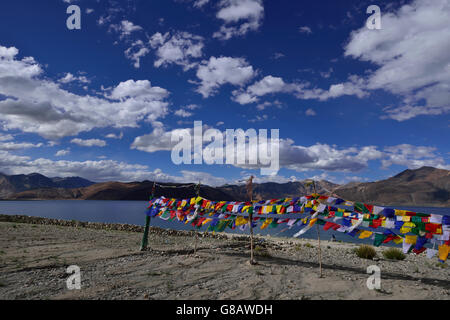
(133, 212)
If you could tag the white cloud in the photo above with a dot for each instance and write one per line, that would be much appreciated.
(305, 29)
(411, 52)
(192, 107)
(125, 28)
(413, 157)
(274, 85)
(239, 17)
(183, 113)
(223, 70)
(158, 140)
(136, 52)
(68, 78)
(315, 157)
(310, 112)
(62, 153)
(114, 136)
(99, 171)
(10, 145)
(89, 142)
(278, 55)
(293, 157)
(180, 49)
(200, 3)
(6, 137)
(38, 105)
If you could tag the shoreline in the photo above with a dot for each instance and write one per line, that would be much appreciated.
(434, 205)
(36, 252)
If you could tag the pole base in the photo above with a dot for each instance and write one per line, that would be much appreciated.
(252, 262)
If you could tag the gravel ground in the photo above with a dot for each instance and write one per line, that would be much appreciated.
(34, 257)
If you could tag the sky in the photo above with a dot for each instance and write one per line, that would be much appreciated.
(101, 102)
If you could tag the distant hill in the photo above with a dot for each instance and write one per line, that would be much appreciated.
(13, 184)
(422, 187)
(272, 190)
(120, 191)
(426, 186)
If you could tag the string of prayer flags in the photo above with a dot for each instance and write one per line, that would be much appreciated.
(355, 219)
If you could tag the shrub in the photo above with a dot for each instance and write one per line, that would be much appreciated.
(261, 252)
(394, 254)
(366, 252)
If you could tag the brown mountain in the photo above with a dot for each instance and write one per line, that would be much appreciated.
(12, 184)
(426, 186)
(120, 191)
(422, 187)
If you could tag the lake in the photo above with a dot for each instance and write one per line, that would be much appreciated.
(133, 212)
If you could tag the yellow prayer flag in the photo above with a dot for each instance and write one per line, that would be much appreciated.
(206, 221)
(398, 240)
(400, 212)
(411, 239)
(443, 252)
(404, 230)
(266, 223)
(312, 222)
(240, 221)
(365, 234)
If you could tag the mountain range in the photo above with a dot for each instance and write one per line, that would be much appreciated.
(10, 185)
(426, 186)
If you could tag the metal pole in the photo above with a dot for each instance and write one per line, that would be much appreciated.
(144, 242)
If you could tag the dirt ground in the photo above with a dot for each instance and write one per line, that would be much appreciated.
(34, 258)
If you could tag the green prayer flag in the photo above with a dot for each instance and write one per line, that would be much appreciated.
(379, 238)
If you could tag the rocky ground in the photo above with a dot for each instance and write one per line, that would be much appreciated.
(34, 257)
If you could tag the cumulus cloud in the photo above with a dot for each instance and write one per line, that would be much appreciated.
(62, 153)
(68, 78)
(413, 157)
(7, 143)
(305, 29)
(328, 158)
(411, 55)
(183, 113)
(136, 52)
(217, 72)
(179, 48)
(200, 3)
(239, 17)
(291, 156)
(273, 85)
(89, 142)
(38, 105)
(114, 136)
(99, 171)
(125, 28)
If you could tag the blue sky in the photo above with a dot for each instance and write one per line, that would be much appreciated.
(351, 104)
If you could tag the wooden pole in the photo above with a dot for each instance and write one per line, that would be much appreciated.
(250, 194)
(144, 242)
(196, 233)
(318, 237)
